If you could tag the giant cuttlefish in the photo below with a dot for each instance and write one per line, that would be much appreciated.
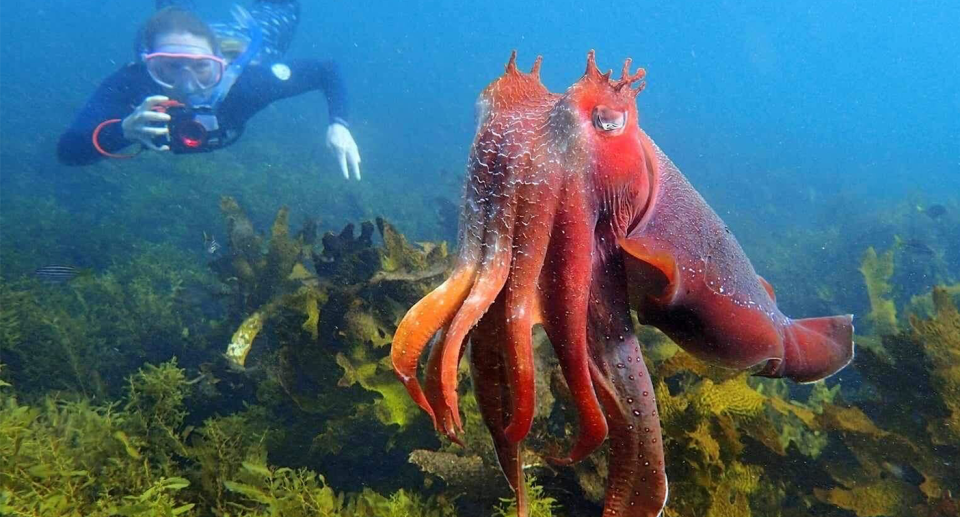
(571, 216)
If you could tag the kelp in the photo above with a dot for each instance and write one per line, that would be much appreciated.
(72, 458)
(98, 328)
(877, 270)
(898, 444)
(312, 318)
(940, 337)
(317, 345)
(257, 271)
(283, 492)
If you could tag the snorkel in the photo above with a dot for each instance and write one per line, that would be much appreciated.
(189, 65)
(212, 97)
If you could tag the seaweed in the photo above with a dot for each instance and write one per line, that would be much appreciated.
(73, 458)
(267, 491)
(315, 342)
(940, 339)
(902, 458)
(313, 398)
(101, 327)
(539, 503)
(876, 271)
(257, 274)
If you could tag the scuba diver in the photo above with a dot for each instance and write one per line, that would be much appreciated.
(194, 86)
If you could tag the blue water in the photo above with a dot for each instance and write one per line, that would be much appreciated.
(864, 95)
(777, 114)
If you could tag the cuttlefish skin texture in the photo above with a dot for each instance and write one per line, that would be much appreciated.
(571, 216)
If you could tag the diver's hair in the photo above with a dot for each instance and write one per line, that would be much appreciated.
(172, 19)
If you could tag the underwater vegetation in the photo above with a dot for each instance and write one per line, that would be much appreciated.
(98, 328)
(138, 458)
(109, 424)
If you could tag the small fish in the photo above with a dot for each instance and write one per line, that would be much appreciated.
(904, 473)
(935, 211)
(913, 246)
(917, 247)
(210, 244)
(56, 273)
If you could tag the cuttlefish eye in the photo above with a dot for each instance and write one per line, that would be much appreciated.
(608, 119)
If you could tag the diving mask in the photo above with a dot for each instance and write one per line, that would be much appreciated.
(185, 68)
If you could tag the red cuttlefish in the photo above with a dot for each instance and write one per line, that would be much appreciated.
(571, 216)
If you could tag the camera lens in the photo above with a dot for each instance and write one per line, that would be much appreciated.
(190, 134)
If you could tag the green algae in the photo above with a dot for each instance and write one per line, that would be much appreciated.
(539, 503)
(337, 410)
(73, 458)
(99, 328)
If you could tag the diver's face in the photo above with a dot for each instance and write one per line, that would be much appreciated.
(183, 63)
(183, 39)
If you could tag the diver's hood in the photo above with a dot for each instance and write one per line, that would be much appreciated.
(212, 97)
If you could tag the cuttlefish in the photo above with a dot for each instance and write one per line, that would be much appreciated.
(572, 216)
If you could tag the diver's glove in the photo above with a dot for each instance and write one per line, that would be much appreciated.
(341, 144)
(141, 125)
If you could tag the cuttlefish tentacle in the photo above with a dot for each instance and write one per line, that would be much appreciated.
(494, 269)
(637, 482)
(434, 393)
(433, 312)
(436, 310)
(493, 394)
(565, 283)
(522, 301)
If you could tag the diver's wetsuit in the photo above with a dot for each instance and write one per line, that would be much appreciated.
(258, 86)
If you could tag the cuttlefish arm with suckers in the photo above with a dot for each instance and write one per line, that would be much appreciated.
(571, 216)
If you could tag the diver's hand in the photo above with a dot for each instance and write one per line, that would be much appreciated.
(141, 125)
(344, 148)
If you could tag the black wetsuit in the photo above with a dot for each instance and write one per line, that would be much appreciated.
(258, 86)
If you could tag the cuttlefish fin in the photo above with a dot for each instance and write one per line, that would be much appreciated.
(766, 285)
(813, 349)
(662, 278)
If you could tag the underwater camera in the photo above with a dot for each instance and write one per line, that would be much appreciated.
(192, 130)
